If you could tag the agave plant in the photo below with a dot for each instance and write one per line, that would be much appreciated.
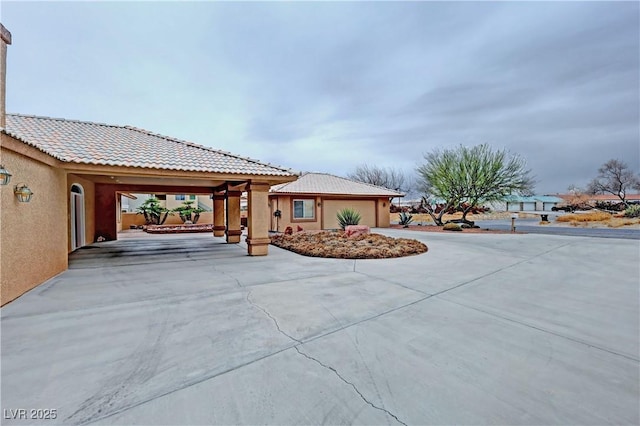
(348, 217)
(405, 219)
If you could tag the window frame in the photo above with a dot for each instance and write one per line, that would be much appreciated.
(303, 219)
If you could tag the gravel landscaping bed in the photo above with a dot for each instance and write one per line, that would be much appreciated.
(336, 244)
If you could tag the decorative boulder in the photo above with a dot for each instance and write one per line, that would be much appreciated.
(356, 230)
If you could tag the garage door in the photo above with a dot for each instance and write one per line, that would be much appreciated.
(529, 207)
(330, 209)
(548, 206)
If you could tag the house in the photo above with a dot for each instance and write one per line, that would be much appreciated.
(534, 203)
(592, 199)
(313, 201)
(66, 178)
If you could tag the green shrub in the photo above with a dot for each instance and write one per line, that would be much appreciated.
(632, 211)
(405, 219)
(188, 212)
(154, 213)
(348, 217)
(451, 227)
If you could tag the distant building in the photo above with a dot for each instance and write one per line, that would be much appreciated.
(534, 203)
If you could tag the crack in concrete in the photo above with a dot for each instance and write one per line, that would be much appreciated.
(207, 377)
(328, 367)
(275, 321)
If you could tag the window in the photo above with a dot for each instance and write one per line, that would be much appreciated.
(192, 197)
(180, 197)
(303, 209)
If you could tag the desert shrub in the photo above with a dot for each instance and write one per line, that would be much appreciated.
(337, 245)
(348, 217)
(585, 217)
(451, 227)
(632, 211)
(187, 212)
(405, 219)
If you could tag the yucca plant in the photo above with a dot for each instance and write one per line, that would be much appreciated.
(348, 217)
(405, 219)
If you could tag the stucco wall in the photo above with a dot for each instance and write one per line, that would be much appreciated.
(284, 204)
(384, 220)
(366, 208)
(374, 211)
(33, 236)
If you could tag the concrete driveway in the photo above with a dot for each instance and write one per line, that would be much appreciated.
(482, 329)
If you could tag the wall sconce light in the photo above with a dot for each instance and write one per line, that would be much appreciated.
(319, 204)
(23, 193)
(5, 176)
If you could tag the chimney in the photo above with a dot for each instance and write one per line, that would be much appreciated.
(5, 39)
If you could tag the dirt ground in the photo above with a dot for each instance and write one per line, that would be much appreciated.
(425, 220)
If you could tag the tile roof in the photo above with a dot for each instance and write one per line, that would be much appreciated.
(85, 142)
(322, 183)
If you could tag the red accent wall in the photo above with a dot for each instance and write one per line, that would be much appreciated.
(106, 212)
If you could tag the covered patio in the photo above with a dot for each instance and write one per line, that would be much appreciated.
(77, 171)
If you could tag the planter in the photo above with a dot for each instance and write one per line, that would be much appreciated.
(179, 229)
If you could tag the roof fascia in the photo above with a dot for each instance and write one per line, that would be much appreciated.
(12, 144)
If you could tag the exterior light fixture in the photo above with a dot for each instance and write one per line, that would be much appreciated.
(5, 176)
(23, 193)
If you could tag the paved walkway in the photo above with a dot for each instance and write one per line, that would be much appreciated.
(482, 329)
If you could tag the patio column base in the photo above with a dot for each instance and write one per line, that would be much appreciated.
(218, 231)
(258, 246)
(233, 236)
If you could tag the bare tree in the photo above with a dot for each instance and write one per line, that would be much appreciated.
(389, 178)
(577, 196)
(614, 177)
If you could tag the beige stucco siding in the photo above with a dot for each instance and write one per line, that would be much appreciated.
(366, 208)
(33, 236)
(374, 212)
(383, 212)
(285, 205)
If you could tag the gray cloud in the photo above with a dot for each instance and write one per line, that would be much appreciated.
(325, 86)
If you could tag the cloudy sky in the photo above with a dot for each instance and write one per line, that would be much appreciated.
(328, 86)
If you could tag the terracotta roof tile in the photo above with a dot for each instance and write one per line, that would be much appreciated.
(322, 183)
(103, 144)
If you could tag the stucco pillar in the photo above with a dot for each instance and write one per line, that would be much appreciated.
(258, 219)
(233, 217)
(218, 215)
(5, 39)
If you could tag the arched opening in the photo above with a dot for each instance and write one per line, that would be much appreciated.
(77, 216)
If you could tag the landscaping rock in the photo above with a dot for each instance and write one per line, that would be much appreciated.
(356, 230)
